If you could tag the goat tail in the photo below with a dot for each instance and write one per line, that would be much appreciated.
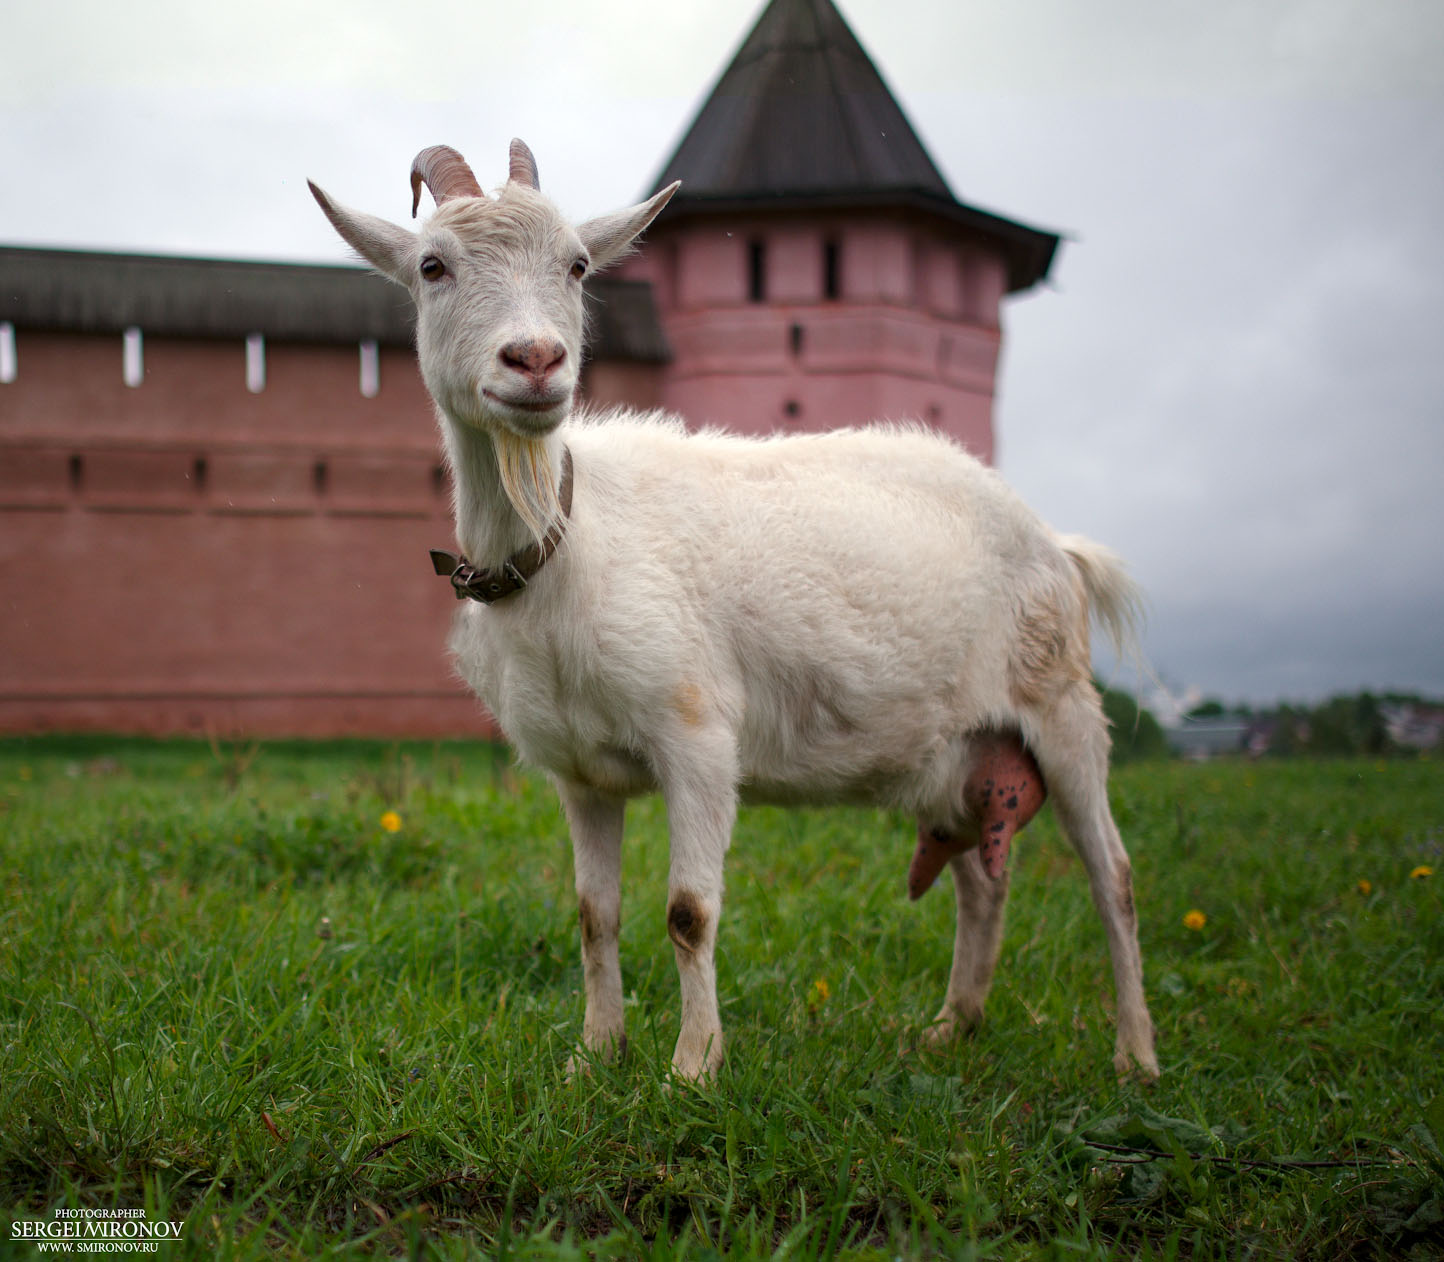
(1114, 599)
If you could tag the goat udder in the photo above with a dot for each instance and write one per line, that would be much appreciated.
(1004, 790)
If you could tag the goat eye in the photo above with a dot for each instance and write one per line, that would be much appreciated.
(579, 269)
(432, 268)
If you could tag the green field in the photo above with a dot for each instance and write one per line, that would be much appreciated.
(232, 996)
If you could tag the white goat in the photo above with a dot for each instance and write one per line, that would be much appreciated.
(861, 616)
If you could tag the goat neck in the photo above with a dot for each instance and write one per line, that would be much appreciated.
(488, 526)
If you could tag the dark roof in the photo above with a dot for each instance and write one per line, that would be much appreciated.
(801, 109)
(88, 292)
(85, 292)
(801, 118)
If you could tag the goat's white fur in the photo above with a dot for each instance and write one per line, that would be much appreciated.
(811, 619)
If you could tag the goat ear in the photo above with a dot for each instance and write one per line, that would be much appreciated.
(389, 249)
(609, 238)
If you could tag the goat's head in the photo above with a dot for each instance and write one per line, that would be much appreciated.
(497, 283)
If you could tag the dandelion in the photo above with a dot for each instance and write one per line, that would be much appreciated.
(391, 822)
(821, 991)
(1195, 920)
(1366, 886)
(1419, 873)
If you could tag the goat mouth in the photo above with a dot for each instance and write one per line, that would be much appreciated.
(534, 406)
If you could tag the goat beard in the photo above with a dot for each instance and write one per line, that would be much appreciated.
(528, 480)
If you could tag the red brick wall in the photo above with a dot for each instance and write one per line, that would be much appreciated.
(188, 556)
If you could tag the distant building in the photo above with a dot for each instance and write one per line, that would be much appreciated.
(219, 480)
(1413, 724)
(1204, 738)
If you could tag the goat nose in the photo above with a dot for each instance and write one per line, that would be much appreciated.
(536, 357)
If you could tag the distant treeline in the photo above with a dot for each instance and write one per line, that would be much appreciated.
(1363, 724)
(1136, 733)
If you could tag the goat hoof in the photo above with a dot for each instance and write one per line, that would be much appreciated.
(607, 1050)
(948, 1027)
(1141, 1069)
(689, 1066)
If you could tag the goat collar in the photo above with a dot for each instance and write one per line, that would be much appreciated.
(518, 569)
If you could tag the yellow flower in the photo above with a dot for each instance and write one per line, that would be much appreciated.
(391, 822)
(1366, 887)
(1195, 920)
(821, 991)
(1419, 873)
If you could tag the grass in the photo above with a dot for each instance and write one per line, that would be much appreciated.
(232, 997)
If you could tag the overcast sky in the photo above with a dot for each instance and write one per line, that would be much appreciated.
(1235, 378)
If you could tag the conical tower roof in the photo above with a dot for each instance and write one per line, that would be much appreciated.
(801, 118)
(801, 109)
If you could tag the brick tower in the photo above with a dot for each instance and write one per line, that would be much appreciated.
(815, 270)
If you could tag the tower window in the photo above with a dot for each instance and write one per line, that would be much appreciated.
(831, 273)
(757, 271)
(795, 336)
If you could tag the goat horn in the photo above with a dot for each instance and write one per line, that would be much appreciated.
(445, 173)
(522, 166)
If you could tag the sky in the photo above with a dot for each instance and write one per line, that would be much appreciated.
(1234, 378)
